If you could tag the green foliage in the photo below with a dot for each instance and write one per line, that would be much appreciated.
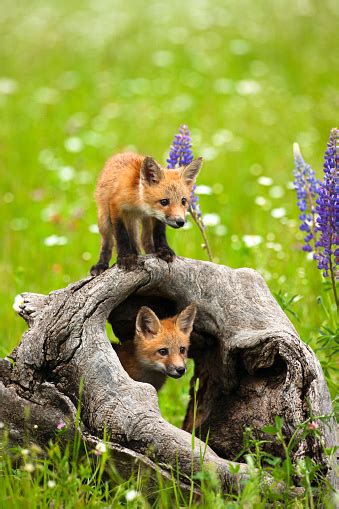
(74, 476)
(82, 80)
(286, 302)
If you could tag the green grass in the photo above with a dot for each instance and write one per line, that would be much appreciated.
(248, 78)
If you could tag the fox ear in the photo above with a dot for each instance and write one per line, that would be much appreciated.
(151, 172)
(190, 172)
(147, 323)
(185, 319)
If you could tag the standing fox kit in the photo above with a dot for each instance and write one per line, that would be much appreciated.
(133, 189)
(159, 348)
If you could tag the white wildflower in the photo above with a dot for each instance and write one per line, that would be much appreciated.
(202, 189)
(211, 219)
(101, 447)
(29, 467)
(256, 169)
(73, 144)
(220, 230)
(208, 153)
(252, 240)
(221, 137)
(248, 87)
(51, 484)
(93, 228)
(93, 138)
(18, 302)
(265, 181)
(8, 86)
(260, 200)
(278, 213)
(274, 245)
(66, 173)
(131, 495)
(55, 240)
(276, 192)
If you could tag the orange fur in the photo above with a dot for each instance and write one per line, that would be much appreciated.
(129, 191)
(142, 358)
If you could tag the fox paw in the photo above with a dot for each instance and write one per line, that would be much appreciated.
(128, 262)
(99, 268)
(166, 254)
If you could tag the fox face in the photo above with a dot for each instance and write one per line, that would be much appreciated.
(166, 193)
(162, 346)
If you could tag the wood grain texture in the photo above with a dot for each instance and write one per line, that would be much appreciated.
(250, 361)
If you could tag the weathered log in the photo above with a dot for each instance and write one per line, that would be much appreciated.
(249, 359)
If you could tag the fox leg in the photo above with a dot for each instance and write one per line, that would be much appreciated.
(162, 249)
(106, 232)
(127, 245)
(147, 235)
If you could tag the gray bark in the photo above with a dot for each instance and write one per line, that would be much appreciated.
(250, 362)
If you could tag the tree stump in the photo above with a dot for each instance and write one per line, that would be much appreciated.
(249, 359)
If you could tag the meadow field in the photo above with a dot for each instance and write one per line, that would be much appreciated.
(82, 80)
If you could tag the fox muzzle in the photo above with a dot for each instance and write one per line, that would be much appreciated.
(176, 372)
(176, 222)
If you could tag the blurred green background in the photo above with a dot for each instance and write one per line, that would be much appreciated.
(84, 79)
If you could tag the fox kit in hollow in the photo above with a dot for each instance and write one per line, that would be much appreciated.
(133, 189)
(159, 348)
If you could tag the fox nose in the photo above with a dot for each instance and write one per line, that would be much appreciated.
(180, 222)
(180, 370)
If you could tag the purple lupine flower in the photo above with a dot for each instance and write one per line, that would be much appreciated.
(327, 223)
(306, 186)
(181, 154)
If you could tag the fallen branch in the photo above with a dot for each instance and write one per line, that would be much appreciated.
(249, 359)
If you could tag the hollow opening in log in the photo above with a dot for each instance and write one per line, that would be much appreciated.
(232, 395)
(274, 373)
(204, 356)
(122, 318)
(253, 401)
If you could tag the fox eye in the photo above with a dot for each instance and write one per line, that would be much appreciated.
(184, 201)
(163, 351)
(164, 202)
(182, 349)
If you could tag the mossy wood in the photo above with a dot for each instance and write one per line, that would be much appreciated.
(250, 362)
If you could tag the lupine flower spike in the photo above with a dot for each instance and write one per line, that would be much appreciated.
(327, 253)
(180, 155)
(319, 206)
(306, 186)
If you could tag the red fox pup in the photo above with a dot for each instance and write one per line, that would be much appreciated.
(133, 189)
(159, 348)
